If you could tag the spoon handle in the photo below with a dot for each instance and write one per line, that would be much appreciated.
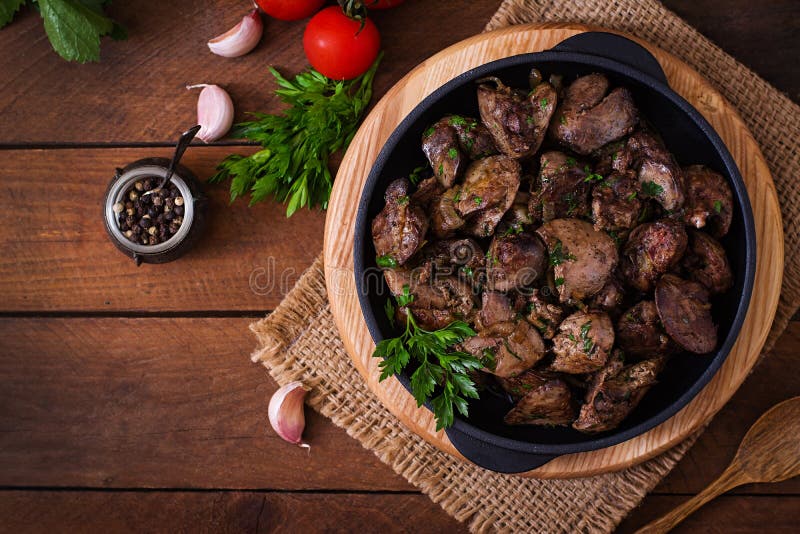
(183, 144)
(729, 479)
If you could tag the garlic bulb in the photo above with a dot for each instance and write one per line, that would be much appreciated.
(240, 39)
(286, 413)
(214, 112)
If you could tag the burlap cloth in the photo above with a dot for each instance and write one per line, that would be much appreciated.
(299, 341)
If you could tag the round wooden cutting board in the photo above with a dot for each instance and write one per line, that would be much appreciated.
(451, 62)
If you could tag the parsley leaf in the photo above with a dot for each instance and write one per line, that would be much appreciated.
(651, 189)
(718, 206)
(558, 256)
(74, 27)
(386, 261)
(438, 366)
(416, 175)
(292, 166)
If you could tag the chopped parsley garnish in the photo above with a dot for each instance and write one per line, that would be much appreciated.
(458, 120)
(514, 229)
(631, 196)
(615, 156)
(559, 281)
(452, 153)
(718, 206)
(457, 196)
(543, 103)
(488, 359)
(441, 169)
(439, 366)
(478, 201)
(390, 311)
(403, 200)
(651, 189)
(572, 202)
(429, 131)
(571, 161)
(558, 256)
(588, 343)
(386, 261)
(593, 177)
(416, 175)
(563, 119)
(529, 120)
(468, 271)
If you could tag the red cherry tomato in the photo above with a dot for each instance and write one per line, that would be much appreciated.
(290, 9)
(335, 46)
(382, 4)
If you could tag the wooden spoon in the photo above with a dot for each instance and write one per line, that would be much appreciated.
(769, 452)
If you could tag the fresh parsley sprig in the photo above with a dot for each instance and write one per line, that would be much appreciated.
(439, 366)
(74, 27)
(292, 165)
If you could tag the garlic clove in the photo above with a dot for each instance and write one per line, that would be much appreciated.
(214, 112)
(286, 413)
(240, 39)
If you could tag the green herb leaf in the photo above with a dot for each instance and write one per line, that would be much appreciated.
(458, 120)
(593, 177)
(571, 161)
(74, 27)
(321, 119)
(452, 153)
(386, 261)
(478, 201)
(718, 206)
(559, 281)
(416, 175)
(543, 103)
(651, 189)
(558, 255)
(7, 10)
(390, 311)
(405, 298)
(438, 366)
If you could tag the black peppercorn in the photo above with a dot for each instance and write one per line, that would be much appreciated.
(150, 219)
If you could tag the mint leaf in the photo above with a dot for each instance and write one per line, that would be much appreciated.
(7, 10)
(74, 28)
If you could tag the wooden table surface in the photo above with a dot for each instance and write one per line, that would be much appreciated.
(127, 397)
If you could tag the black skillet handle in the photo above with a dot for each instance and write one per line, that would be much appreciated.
(616, 47)
(494, 458)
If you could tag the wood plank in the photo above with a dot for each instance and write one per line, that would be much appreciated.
(773, 380)
(80, 406)
(112, 511)
(728, 514)
(167, 403)
(56, 256)
(739, 27)
(136, 93)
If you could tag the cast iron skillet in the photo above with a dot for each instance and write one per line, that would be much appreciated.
(483, 438)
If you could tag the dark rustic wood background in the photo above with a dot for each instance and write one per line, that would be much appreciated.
(127, 398)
